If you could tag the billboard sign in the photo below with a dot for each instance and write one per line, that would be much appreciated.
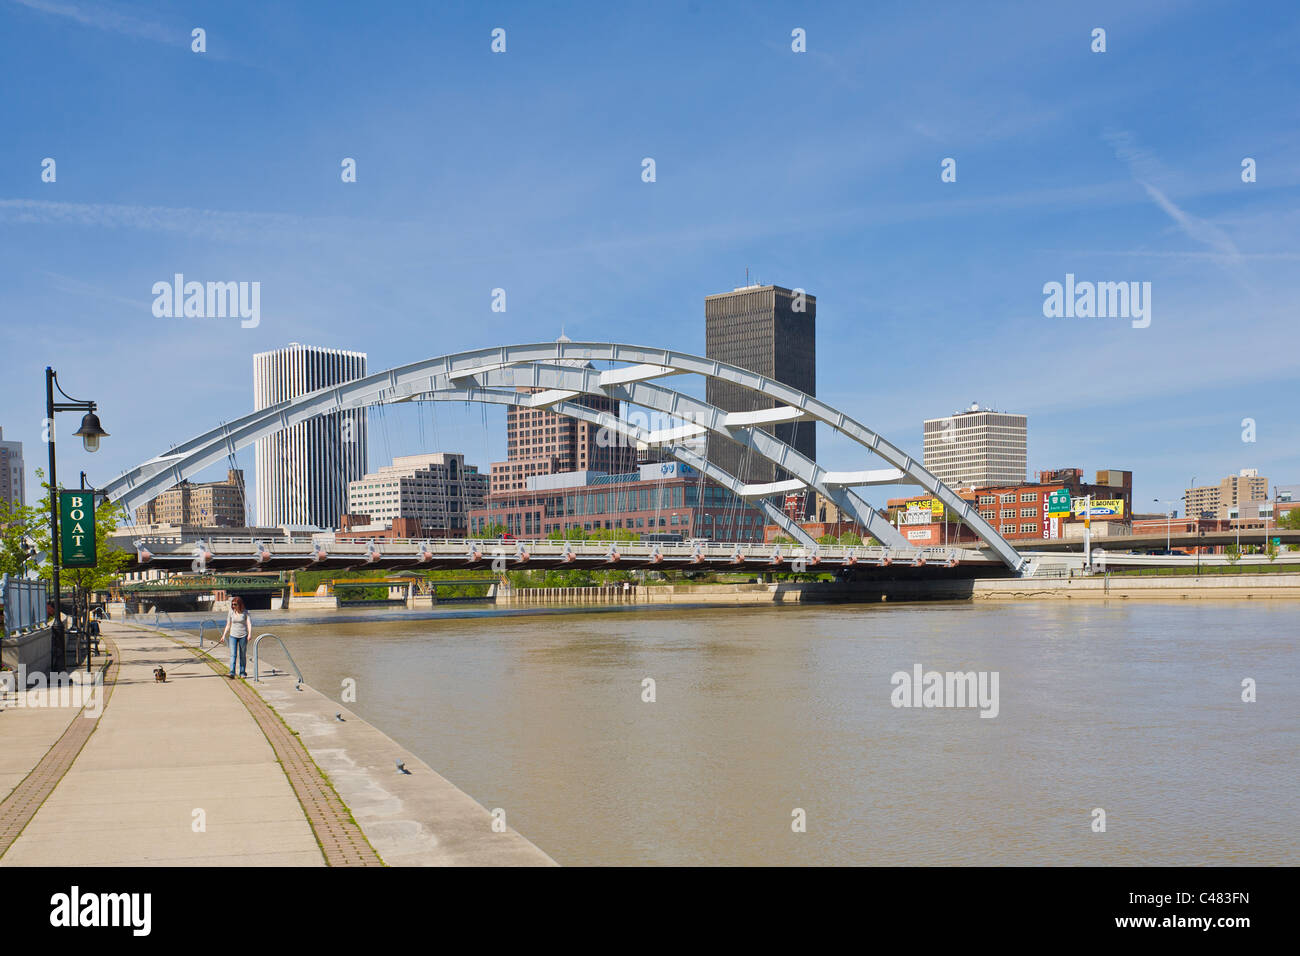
(657, 471)
(1101, 508)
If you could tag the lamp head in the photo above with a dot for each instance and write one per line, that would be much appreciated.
(91, 431)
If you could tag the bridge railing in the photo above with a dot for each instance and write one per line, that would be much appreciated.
(496, 547)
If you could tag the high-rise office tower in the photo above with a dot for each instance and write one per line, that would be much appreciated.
(303, 471)
(772, 331)
(12, 486)
(977, 448)
(543, 442)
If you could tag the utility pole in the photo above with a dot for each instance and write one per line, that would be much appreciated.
(1087, 532)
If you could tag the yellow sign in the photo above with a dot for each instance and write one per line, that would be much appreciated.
(1101, 508)
(934, 505)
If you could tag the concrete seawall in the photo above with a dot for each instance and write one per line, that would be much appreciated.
(1217, 587)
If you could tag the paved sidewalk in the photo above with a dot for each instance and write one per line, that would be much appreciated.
(28, 730)
(162, 752)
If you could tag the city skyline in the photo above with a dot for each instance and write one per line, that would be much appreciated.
(929, 292)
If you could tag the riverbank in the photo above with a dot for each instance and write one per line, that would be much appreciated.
(1217, 587)
(200, 770)
(412, 816)
(674, 597)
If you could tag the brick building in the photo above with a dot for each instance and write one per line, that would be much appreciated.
(1218, 501)
(1019, 512)
(659, 498)
(213, 504)
(542, 442)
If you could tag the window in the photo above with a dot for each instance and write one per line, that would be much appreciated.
(1009, 499)
(1029, 529)
(988, 499)
(1008, 512)
(988, 515)
(1028, 512)
(1029, 496)
(1008, 529)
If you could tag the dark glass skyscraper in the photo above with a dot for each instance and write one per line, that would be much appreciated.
(772, 331)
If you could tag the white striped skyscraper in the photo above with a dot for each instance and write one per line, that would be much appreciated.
(303, 471)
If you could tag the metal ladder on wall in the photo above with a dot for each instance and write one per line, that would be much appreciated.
(258, 640)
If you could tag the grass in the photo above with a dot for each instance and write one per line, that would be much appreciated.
(1210, 569)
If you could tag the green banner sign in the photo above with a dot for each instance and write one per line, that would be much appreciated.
(77, 529)
(1058, 503)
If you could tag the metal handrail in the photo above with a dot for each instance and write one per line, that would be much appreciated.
(256, 678)
(201, 627)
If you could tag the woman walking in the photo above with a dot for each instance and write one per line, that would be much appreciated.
(238, 626)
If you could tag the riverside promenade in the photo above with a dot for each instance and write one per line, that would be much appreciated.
(203, 771)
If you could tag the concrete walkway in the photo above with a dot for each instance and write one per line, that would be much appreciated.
(28, 730)
(175, 774)
(204, 771)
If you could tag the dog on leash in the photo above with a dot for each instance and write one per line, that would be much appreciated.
(159, 675)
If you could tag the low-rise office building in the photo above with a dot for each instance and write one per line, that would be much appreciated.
(659, 498)
(437, 491)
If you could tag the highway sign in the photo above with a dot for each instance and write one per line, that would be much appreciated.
(1058, 503)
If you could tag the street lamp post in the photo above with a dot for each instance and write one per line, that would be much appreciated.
(90, 433)
(1266, 516)
(1169, 526)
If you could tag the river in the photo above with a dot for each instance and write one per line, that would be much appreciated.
(760, 712)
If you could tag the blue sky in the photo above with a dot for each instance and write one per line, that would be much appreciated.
(522, 171)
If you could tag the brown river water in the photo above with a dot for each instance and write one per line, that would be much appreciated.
(1135, 709)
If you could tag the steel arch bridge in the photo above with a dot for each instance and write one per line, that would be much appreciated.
(560, 373)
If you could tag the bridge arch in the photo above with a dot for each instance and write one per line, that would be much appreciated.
(493, 375)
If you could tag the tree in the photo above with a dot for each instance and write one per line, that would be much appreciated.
(17, 524)
(1290, 521)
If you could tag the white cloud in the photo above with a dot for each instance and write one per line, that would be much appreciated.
(106, 18)
(1146, 169)
(203, 223)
